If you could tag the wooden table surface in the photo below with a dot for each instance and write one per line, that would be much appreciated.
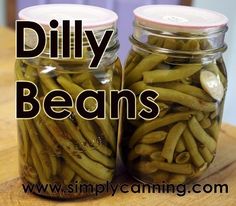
(223, 170)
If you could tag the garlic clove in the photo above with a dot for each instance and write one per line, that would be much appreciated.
(212, 85)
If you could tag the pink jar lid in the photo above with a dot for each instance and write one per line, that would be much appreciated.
(94, 18)
(179, 18)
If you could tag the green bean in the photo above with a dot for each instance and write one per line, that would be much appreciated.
(214, 114)
(200, 170)
(46, 135)
(131, 55)
(31, 74)
(206, 154)
(148, 63)
(133, 63)
(157, 123)
(192, 148)
(176, 96)
(154, 137)
(180, 147)
(85, 175)
(205, 44)
(188, 89)
(172, 140)
(182, 158)
(67, 174)
(159, 176)
(200, 134)
(214, 129)
(170, 44)
(85, 80)
(116, 83)
(53, 160)
(157, 156)
(145, 167)
(91, 152)
(18, 69)
(152, 39)
(95, 168)
(164, 108)
(38, 166)
(88, 164)
(104, 124)
(107, 131)
(74, 90)
(186, 169)
(160, 41)
(43, 157)
(192, 45)
(199, 116)
(205, 123)
(177, 179)
(181, 109)
(77, 179)
(180, 45)
(145, 149)
(179, 72)
(136, 123)
(25, 138)
(88, 131)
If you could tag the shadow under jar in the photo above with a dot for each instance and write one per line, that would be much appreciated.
(72, 151)
(178, 54)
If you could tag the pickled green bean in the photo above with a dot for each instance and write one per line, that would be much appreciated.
(25, 138)
(180, 147)
(157, 123)
(179, 72)
(38, 166)
(91, 152)
(186, 169)
(188, 89)
(159, 176)
(206, 154)
(148, 63)
(46, 135)
(205, 123)
(39, 148)
(88, 164)
(154, 137)
(200, 134)
(85, 175)
(177, 179)
(214, 129)
(157, 156)
(182, 158)
(192, 148)
(172, 140)
(176, 96)
(88, 131)
(104, 124)
(145, 167)
(145, 149)
(67, 174)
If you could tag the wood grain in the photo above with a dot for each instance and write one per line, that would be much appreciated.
(11, 193)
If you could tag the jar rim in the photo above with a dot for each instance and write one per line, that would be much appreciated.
(93, 17)
(179, 18)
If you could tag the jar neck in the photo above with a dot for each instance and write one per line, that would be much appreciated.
(180, 44)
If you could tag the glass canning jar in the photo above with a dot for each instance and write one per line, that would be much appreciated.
(177, 52)
(72, 151)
